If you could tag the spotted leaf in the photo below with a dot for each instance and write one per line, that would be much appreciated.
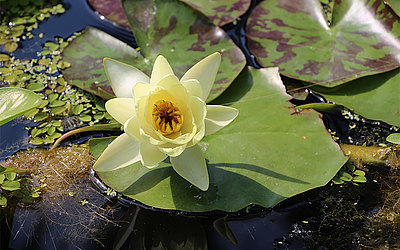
(86, 54)
(362, 39)
(184, 37)
(111, 9)
(220, 12)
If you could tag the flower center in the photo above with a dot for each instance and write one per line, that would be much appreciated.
(168, 119)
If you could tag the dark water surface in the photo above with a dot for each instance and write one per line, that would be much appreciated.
(64, 223)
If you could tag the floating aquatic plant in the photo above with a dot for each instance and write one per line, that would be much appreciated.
(164, 116)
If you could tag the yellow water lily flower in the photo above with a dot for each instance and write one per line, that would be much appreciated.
(164, 117)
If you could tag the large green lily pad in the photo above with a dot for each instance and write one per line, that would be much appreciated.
(15, 102)
(268, 153)
(220, 12)
(395, 4)
(362, 39)
(375, 97)
(183, 36)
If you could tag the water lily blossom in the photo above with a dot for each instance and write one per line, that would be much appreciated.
(164, 117)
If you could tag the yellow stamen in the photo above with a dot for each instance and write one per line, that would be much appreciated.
(167, 118)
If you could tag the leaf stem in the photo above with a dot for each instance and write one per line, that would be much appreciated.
(98, 127)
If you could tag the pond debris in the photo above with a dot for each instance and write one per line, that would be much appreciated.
(69, 203)
(54, 170)
(365, 216)
(389, 156)
(385, 223)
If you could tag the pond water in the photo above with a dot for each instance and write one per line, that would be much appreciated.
(80, 215)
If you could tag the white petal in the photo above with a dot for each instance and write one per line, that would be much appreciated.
(120, 153)
(169, 81)
(205, 72)
(142, 89)
(193, 87)
(173, 150)
(191, 165)
(123, 77)
(132, 127)
(199, 109)
(161, 68)
(151, 156)
(121, 109)
(218, 117)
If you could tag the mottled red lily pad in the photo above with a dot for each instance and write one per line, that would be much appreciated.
(220, 12)
(362, 39)
(111, 9)
(184, 36)
(86, 54)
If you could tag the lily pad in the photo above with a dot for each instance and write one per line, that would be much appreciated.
(15, 102)
(395, 4)
(111, 9)
(267, 154)
(86, 54)
(184, 37)
(361, 40)
(220, 12)
(394, 138)
(374, 97)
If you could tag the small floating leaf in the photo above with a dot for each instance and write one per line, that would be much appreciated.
(337, 180)
(41, 116)
(48, 140)
(57, 110)
(37, 141)
(60, 89)
(56, 123)
(51, 130)
(360, 179)
(35, 132)
(11, 176)
(359, 173)
(52, 97)
(77, 109)
(56, 135)
(345, 176)
(44, 61)
(394, 138)
(11, 185)
(85, 118)
(4, 57)
(52, 46)
(35, 86)
(56, 103)
(99, 116)
(3, 201)
(11, 46)
(63, 64)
